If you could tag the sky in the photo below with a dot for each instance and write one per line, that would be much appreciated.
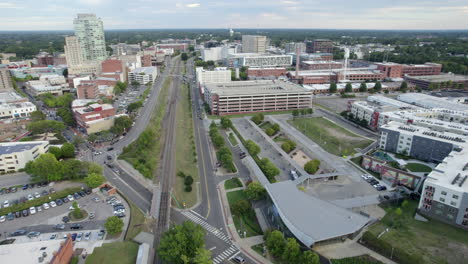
(154, 14)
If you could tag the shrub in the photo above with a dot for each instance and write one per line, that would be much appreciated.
(188, 180)
(114, 225)
(188, 188)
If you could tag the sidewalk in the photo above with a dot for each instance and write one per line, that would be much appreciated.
(244, 244)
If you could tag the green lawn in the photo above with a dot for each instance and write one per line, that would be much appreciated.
(258, 248)
(248, 222)
(331, 137)
(233, 139)
(364, 259)
(433, 241)
(114, 253)
(417, 167)
(185, 154)
(232, 183)
(137, 222)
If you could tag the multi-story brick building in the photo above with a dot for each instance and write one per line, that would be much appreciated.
(273, 73)
(255, 96)
(320, 65)
(319, 46)
(395, 70)
(45, 59)
(87, 90)
(95, 117)
(442, 81)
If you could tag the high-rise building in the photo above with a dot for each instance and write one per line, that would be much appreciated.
(254, 44)
(292, 47)
(90, 33)
(5, 80)
(319, 46)
(73, 51)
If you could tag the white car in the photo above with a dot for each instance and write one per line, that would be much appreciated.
(87, 235)
(53, 236)
(37, 195)
(30, 197)
(70, 197)
(6, 204)
(39, 209)
(32, 210)
(46, 206)
(365, 176)
(2, 218)
(78, 237)
(53, 204)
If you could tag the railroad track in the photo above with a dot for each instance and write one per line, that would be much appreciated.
(167, 172)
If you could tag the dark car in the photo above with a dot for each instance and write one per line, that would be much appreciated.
(10, 216)
(110, 165)
(76, 226)
(23, 199)
(65, 200)
(59, 227)
(59, 202)
(19, 233)
(120, 215)
(18, 214)
(82, 193)
(44, 193)
(65, 219)
(110, 149)
(109, 157)
(381, 188)
(25, 187)
(31, 185)
(25, 212)
(2, 191)
(15, 202)
(7, 190)
(73, 236)
(76, 196)
(52, 190)
(88, 191)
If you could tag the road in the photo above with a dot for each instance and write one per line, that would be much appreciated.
(9, 180)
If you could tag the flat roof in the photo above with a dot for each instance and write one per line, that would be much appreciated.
(440, 78)
(254, 87)
(10, 96)
(452, 173)
(11, 106)
(315, 218)
(146, 70)
(382, 100)
(14, 147)
(29, 252)
(429, 101)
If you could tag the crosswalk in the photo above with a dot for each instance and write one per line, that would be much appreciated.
(227, 253)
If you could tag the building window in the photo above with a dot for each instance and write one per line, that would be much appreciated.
(455, 197)
(442, 200)
(453, 203)
(443, 193)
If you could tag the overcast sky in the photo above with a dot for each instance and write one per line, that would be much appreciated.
(325, 14)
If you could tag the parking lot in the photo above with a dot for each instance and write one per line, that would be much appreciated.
(131, 95)
(46, 220)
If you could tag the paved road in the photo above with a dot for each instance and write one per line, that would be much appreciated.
(9, 180)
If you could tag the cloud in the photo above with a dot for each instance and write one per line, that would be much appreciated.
(289, 2)
(93, 2)
(193, 5)
(9, 5)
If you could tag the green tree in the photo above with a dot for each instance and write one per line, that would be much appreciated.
(56, 151)
(91, 167)
(191, 48)
(286, 147)
(120, 87)
(255, 191)
(309, 257)
(218, 140)
(181, 242)
(348, 88)
(404, 86)
(37, 116)
(226, 122)
(46, 126)
(276, 243)
(292, 251)
(67, 116)
(312, 166)
(295, 112)
(241, 207)
(45, 168)
(184, 56)
(363, 88)
(114, 225)
(202, 256)
(378, 86)
(333, 88)
(78, 140)
(134, 106)
(121, 124)
(270, 131)
(77, 213)
(67, 150)
(268, 168)
(188, 180)
(72, 169)
(256, 119)
(252, 148)
(94, 180)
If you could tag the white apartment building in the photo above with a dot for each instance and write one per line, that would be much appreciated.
(20, 110)
(15, 155)
(143, 75)
(212, 54)
(89, 31)
(53, 79)
(218, 75)
(38, 87)
(254, 44)
(73, 51)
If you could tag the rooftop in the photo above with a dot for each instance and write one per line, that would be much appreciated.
(429, 101)
(145, 70)
(29, 252)
(11, 106)
(10, 96)
(254, 87)
(14, 147)
(441, 78)
(452, 172)
(382, 100)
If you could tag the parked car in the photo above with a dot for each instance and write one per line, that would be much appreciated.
(6, 204)
(53, 204)
(30, 197)
(79, 236)
(2, 218)
(82, 193)
(25, 187)
(77, 196)
(46, 206)
(13, 189)
(238, 259)
(10, 216)
(73, 236)
(96, 199)
(19, 232)
(32, 210)
(65, 219)
(52, 190)
(34, 234)
(110, 149)
(65, 200)
(101, 234)
(59, 226)
(59, 202)
(39, 209)
(44, 193)
(53, 236)
(92, 215)
(70, 197)
(88, 191)
(18, 213)
(76, 226)
(37, 195)
(87, 235)
(120, 214)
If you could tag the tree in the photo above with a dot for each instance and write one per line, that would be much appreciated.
(121, 124)
(226, 122)
(309, 257)
(269, 169)
(378, 86)
(67, 150)
(56, 151)
(333, 88)
(46, 126)
(182, 242)
(292, 251)
(134, 106)
(275, 243)
(270, 131)
(241, 207)
(252, 148)
(188, 180)
(67, 116)
(218, 140)
(94, 180)
(91, 167)
(72, 169)
(202, 256)
(255, 191)
(77, 140)
(310, 111)
(45, 168)
(404, 86)
(191, 48)
(256, 119)
(363, 88)
(295, 112)
(77, 213)
(120, 87)
(184, 56)
(286, 147)
(312, 166)
(348, 88)
(114, 225)
(37, 116)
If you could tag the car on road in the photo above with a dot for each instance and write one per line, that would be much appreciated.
(92, 215)
(2, 218)
(238, 259)
(53, 204)
(30, 197)
(19, 232)
(70, 197)
(109, 157)
(37, 195)
(101, 234)
(34, 234)
(46, 206)
(76, 226)
(96, 199)
(79, 236)
(6, 204)
(110, 149)
(59, 227)
(10, 216)
(53, 236)
(32, 210)
(87, 235)
(65, 219)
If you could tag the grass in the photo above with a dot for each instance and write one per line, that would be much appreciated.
(185, 152)
(233, 139)
(232, 183)
(258, 248)
(73, 218)
(252, 114)
(144, 152)
(433, 241)
(137, 222)
(115, 253)
(417, 167)
(331, 137)
(246, 223)
(364, 259)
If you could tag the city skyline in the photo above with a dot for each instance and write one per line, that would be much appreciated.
(162, 14)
